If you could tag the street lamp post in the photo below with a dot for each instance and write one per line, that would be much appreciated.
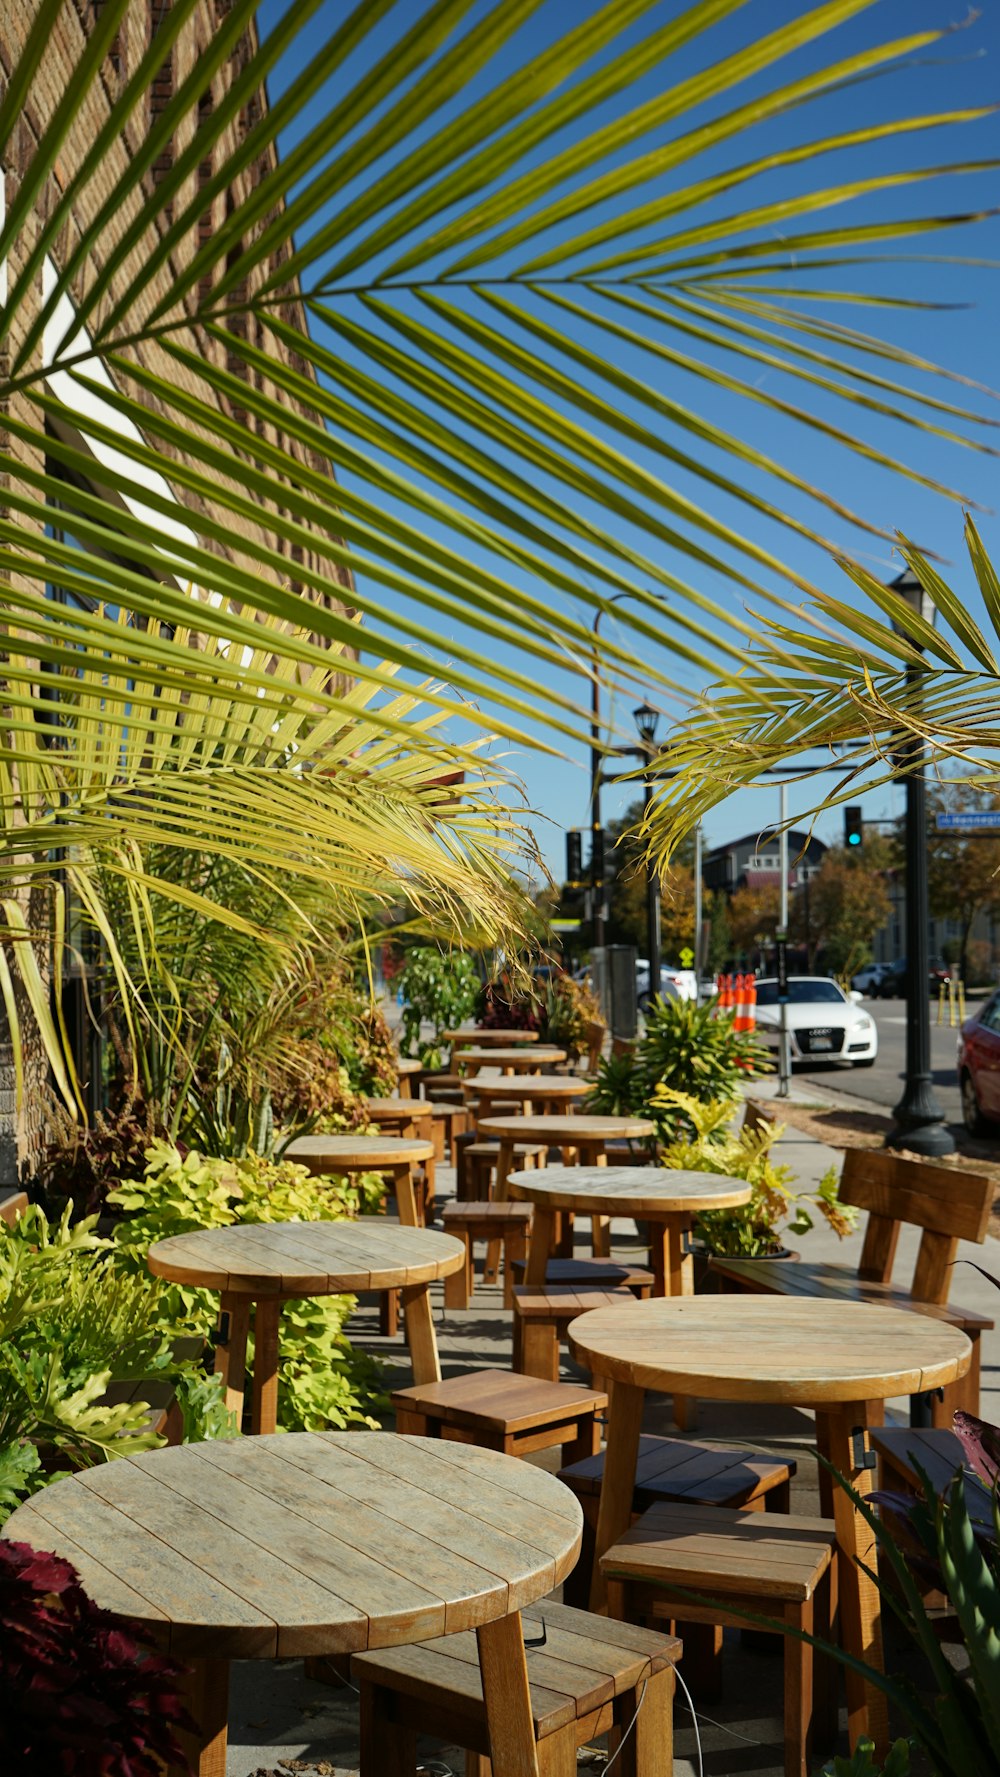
(919, 1124)
(647, 721)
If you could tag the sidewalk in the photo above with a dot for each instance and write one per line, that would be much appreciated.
(279, 1715)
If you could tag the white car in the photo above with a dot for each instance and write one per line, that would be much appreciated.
(868, 978)
(675, 984)
(824, 1023)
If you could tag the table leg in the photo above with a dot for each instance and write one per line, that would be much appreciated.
(205, 1696)
(266, 1322)
(231, 1357)
(420, 1336)
(621, 1455)
(406, 1196)
(845, 1436)
(543, 1234)
(507, 1698)
(505, 1165)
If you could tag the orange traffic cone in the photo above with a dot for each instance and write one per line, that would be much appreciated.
(751, 1003)
(740, 1017)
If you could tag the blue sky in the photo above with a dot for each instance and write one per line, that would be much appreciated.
(963, 71)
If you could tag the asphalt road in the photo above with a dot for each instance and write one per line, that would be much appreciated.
(883, 1083)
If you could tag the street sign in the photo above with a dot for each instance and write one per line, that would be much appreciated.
(985, 821)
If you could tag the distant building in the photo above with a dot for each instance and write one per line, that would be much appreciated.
(756, 861)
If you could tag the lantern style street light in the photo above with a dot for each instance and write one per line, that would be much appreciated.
(919, 1124)
(647, 721)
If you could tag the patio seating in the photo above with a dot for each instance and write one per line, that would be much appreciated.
(588, 1676)
(775, 1565)
(499, 1410)
(542, 1315)
(672, 1470)
(901, 1447)
(450, 1121)
(480, 1165)
(505, 1223)
(598, 1274)
(946, 1203)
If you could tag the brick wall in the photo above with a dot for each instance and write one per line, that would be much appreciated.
(21, 1133)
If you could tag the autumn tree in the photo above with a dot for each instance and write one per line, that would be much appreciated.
(848, 902)
(754, 909)
(963, 870)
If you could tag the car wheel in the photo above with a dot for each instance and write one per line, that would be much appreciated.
(972, 1116)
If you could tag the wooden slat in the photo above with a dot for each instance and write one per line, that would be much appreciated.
(838, 1282)
(503, 1400)
(647, 1192)
(774, 1555)
(946, 1199)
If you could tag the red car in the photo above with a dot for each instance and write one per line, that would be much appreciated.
(979, 1069)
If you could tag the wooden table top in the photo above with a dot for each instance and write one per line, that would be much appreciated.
(527, 1086)
(343, 1153)
(306, 1258)
(645, 1191)
(407, 1064)
(558, 1127)
(770, 1348)
(309, 1543)
(488, 1038)
(397, 1109)
(516, 1058)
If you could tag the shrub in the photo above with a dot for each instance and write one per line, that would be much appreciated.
(82, 1694)
(688, 1049)
(570, 1011)
(439, 988)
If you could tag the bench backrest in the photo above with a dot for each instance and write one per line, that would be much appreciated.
(947, 1202)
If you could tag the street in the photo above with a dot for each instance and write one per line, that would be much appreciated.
(883, 1083)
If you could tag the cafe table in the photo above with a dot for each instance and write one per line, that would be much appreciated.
(840, 1359)
(263, 1265)
(393, 1156)
(413, 1120)
(587, 1135)
(406, 1069)
(317, 1543)
(510, 1061)
(666, 1200)
(543, 1093)
(488, 1039)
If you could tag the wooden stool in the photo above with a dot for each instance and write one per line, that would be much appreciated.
(598, 1274)
(481, 1161)
(499, 1410)
(541, 1317)
(671, 1470)
(506, 1223)
(450, 1121)
(588, 1677)
(768, 1562)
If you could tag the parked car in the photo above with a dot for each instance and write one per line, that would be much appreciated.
(867, 979)
(678, 984)
(893, 983)
(824, 1022)
(979, 1068)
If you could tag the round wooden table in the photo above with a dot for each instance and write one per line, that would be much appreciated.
(588, 1135)
(543, 1093)
(268, 1263)
(393, 1156)
(412, 1119)
(667, 1200)
(837, 1358)
(488, 1039)
(317, 1543)
(510, 1061)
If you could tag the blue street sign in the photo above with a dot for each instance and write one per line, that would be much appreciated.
(985, 822)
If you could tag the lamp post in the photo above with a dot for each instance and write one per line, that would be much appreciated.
(647, 721)
(919, 1124)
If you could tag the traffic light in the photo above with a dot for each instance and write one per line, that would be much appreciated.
(853, 830)
(574, 858)
(596, 856)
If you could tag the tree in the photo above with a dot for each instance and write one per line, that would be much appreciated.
(964, 872)
(450, 255)
(848, 902)
(753, 917)
(627, 902)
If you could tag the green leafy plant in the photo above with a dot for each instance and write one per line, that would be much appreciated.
(861, 1762)
(689, 1050)
(440, 988)
(775, 1209)
(323, 1381)
(72, 1322)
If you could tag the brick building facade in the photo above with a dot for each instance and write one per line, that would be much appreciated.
(246, 538)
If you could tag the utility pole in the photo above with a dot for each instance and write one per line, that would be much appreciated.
(784, 1055)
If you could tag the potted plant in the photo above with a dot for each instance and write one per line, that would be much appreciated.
(687, 1050)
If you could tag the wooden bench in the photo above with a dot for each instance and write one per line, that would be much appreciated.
(587, 1676)
(499, 1410)
(901, 1447)
(506, 1224)
(672, 1470)
(947, 1203)
(776, 1565)
(541, 1316)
